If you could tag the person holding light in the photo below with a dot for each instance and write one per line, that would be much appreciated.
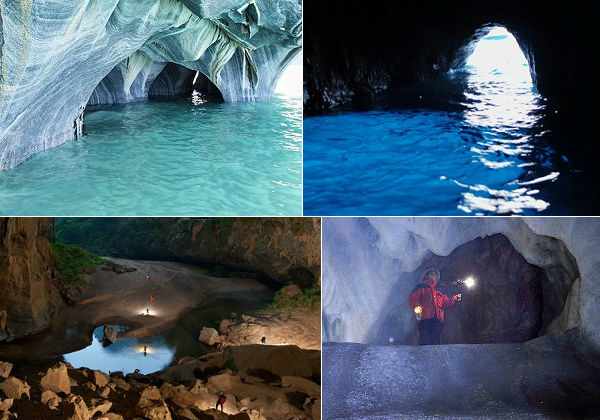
(429, 304)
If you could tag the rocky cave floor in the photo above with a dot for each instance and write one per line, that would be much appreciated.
(260, 382)
(279, 380)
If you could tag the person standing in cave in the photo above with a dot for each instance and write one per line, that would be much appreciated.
(429, 305)
(221, 399)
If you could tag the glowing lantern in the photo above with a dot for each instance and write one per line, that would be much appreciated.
(418, 312)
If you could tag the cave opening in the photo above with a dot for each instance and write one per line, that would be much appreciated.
(499, 90)
(505, 299)
(290, 79)
(179, 81)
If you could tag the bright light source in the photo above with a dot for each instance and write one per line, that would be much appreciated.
(470, 282)
(145, 349)
(499, 53)
(418, 310)
(290, 81)
(391, 339)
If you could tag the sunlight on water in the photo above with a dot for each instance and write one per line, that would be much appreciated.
(480, 149)
(502, 103)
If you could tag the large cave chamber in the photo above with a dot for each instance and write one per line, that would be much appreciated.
(523, 340)
(135, 97)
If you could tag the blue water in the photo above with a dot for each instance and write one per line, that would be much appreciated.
(168, 158)
(155, 352)
(472, 142)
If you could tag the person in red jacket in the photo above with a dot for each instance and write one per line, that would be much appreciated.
(432, 303)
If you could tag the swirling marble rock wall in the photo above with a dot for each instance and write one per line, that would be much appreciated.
(365, 261)
(55, 54)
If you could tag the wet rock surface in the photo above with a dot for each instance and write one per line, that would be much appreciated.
(181, 392)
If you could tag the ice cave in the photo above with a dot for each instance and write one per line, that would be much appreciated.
(522, 343)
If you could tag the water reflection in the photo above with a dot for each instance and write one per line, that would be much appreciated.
(147, 354)
(504, 107)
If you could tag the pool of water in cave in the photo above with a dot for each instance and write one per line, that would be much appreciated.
(472, 141)
(172, 157)
(155, 352)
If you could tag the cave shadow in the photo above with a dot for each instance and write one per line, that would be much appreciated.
(176, 80)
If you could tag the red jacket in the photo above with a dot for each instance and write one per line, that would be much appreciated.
(431, 300)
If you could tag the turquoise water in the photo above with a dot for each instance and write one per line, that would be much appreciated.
(168, 158)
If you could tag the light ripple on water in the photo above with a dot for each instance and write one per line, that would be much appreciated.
(168, 158)
(486, 155)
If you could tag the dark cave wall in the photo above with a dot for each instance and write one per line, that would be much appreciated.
(28, 276)
(355, 50)
(282, 249)
(505, 305)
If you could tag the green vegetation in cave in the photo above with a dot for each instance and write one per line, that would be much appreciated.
(309, 300)
(73, 261)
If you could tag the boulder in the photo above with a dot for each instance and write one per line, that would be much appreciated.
(5, 369)
(224, 381)
(225, 325)
(6, 404)
(152, 409)
(100, 378)
(119, 383)
(151, 393)
(280, 360)
(50, 399)
(14, 388)
(104, 391)
(74, 408)
(99, 405)
(111, 416)
(90, 386)
(56, 379)
(302, 385)
(178, 395)
(110, 333)
(184, 414)
(209, 336)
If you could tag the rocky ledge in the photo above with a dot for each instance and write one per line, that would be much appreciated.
(259, 382)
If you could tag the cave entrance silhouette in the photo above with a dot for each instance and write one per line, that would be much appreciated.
(177, 80)
(499, 90)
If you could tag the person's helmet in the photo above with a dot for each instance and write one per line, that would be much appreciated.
(428, 272)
